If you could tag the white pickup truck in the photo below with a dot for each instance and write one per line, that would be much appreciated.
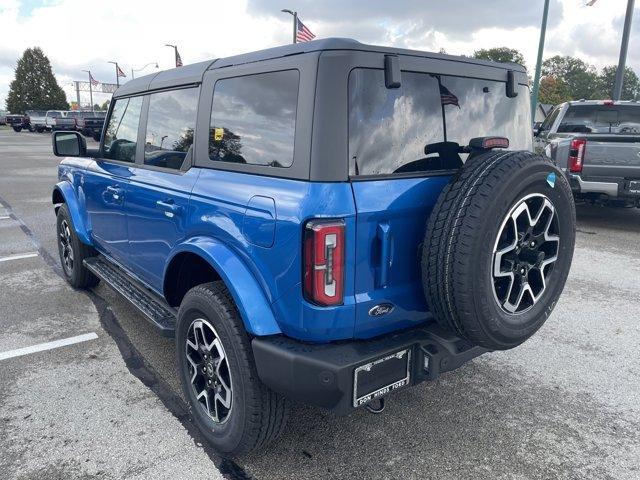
(597, 144)
(50, 122)
(38, 119)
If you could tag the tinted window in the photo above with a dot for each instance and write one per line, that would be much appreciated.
(389, 128)
(548, 122)
(121, 135)
(170, 125)
(620, 119)
(253, 119)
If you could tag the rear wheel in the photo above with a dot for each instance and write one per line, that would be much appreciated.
(17, 129)
(72, 252)
(498, 248)
(232, 408)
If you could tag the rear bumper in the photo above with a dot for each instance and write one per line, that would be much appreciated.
(323, 374)
(613, 187)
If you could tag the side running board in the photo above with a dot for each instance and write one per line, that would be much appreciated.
(154, 308)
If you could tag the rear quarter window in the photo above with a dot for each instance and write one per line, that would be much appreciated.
(389, 128)
(253, 119)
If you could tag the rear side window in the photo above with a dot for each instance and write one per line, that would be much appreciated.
(253, 119)
(170, 126)
(121, 135)
(389, 128)
(618, 119)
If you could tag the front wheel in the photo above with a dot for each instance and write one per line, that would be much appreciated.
(72, 252)
(17, 129)
(232, 408)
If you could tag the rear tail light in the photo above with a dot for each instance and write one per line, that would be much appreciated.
(324, 262)
(576, 154)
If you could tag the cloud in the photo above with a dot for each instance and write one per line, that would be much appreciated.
(78, 35)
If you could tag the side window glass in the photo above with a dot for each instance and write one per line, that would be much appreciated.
(121, 135)
(253, 119)
(170, 125)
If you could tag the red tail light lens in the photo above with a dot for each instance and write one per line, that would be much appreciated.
(324, 262)
(576, 154)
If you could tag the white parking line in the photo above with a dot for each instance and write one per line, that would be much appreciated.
(4, 217)
(48, 346)
(19, 256)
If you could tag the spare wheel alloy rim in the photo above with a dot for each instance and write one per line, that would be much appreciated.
(524, 253)
(208, 366)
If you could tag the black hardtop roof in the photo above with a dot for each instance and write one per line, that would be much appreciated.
(193, 73)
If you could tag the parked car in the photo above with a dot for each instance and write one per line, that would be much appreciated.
(37, 119)
(3, 117)
(326, 222)
(51, 119)
(597, 144)
(18, 122)
(90, 124)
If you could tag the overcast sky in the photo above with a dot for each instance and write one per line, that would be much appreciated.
(78, 34)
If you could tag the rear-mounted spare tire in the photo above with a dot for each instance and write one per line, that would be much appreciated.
(498, 248)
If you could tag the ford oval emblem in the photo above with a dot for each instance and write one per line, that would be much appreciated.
(382, 309)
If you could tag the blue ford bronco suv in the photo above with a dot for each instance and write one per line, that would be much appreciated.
(325, 222)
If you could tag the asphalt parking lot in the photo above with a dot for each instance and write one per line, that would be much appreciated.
(566, 404)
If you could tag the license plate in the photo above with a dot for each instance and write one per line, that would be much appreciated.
(380, 377)
(634, 187)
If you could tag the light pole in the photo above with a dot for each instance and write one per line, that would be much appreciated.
(295, 22)
(175, 53)
(617, 87)
(140, 69)
(90, 88)
(117, 73)
(536, 78)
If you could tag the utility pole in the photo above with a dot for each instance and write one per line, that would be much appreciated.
(117, 73)
(536, 78)
(617, 88)
(295, 23)
(90, 87)
(77, 85)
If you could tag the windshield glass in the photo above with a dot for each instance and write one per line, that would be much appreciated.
(616, 119)
(54, 114)
(389, 128)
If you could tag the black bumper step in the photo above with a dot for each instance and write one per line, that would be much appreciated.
(154, 308)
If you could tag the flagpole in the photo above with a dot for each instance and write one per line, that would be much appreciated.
(617, 88)
(117, 76)
(175, 52)
(295, 23)
(90, 88)
(444, 119)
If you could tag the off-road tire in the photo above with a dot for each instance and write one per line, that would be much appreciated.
(458, 248)
(258, 415)
(77, 275)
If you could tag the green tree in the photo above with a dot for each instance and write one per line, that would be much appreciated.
(500, 54)
(553, 90)
(580, 78)
(630, 86)
(105, 105)
(34, 86)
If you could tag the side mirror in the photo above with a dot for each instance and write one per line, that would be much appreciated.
(68, 144)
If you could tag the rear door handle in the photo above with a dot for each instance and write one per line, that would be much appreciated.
(115, 192)
(169, 207)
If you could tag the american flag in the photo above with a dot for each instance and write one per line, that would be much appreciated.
(94, 82)
(446, 97)
(178, 59)
(303, 34)
(119, 71)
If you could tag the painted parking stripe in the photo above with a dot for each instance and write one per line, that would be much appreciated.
(19, 256)
(4, 217)
(41, 347)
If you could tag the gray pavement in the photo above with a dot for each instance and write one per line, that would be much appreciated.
(566, 404)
